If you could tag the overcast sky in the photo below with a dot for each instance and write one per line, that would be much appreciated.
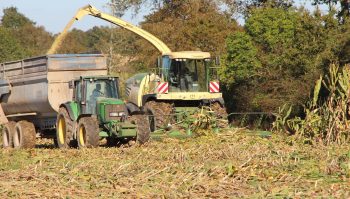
(55, 14)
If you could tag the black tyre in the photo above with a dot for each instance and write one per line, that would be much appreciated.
(24, 135)
(151, 118)
(8, 131)
(112, 141)
(88, 133)
(64, 129)
(143, 128)
(159, 114)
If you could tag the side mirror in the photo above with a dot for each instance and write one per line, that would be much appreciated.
(217, 60)
(71, 84)
(159, 62)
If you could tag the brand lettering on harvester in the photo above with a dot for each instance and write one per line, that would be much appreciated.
(163, 87)
(214, 87)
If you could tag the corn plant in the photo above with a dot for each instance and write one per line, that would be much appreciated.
(325, 122)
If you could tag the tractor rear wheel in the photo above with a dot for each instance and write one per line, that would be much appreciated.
(143, 128)
(64, 129)
(24, 135)
(159, 114)
(88, 133)
(7, 134)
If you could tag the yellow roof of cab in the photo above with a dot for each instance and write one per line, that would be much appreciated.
(189, 55)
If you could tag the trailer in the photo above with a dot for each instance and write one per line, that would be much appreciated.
(34, 90)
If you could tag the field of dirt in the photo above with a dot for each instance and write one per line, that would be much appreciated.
(235, 163)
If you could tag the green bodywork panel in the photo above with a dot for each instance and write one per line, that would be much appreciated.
(73, 109)
(104, 134)
(118, 129)
(128, 132)
(101, 106)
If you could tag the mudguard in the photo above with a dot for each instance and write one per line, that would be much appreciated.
(72, 109)
(132, 108)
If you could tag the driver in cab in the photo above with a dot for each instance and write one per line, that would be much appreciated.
(97, 92)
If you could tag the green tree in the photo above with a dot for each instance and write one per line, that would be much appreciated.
(120, 6)
(343, 10)
(34, 39)
(76, 41)
(293, 47)
(10, 49)
(241, 61)
(13, 19)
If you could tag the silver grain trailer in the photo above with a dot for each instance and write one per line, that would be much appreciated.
(31, 90)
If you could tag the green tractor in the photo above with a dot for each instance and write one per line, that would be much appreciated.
(95, 112)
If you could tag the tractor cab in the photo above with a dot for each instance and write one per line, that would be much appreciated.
(99, 96)
(188, 71)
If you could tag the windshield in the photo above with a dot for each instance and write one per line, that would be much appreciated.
(99, 88)
(188, 75)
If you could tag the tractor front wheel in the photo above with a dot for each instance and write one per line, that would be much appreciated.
(143, 128)
(64, 129)
(88, 133)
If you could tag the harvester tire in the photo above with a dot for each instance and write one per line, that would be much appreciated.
(159, 114)
(220, 113)
(88, 133)
(143, 128)
(7, 134)
(24, 136)
(64, 129)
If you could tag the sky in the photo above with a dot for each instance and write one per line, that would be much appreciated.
(54, 15)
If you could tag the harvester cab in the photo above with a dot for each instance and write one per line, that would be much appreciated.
(187, 72)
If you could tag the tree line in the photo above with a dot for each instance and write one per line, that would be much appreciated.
(272, 59)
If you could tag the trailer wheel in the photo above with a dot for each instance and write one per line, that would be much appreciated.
(88, 132)
(143, 128)
(64, 129)
(24, 135)
(7, 134)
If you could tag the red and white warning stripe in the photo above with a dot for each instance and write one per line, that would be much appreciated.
(163, 87)
(214, 87)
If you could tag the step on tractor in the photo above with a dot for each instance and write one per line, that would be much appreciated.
(68, 98)
(183, 91)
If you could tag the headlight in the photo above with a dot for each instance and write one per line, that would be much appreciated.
(119, 114)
